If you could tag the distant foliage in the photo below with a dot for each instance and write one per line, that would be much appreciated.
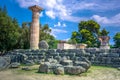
(116, 39)
(43, 45)
(9, 31)
(104, 32)
(24, 40)
(88, 33)
(45, 35)
(12, 36)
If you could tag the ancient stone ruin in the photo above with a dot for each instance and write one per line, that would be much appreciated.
(34, 28)
(43, 45)
(59, 61)
(66, 60)
(104, 40)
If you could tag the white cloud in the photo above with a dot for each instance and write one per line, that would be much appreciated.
(74, 18)
(59, 24)
(96, 5)
(115, 20)
(56, 31)
(27, 3)
(64, 9)
(51, 14)
(41, 14)
(81, 5)
(100, 19)
(59, 31)
(54, 8)
(64, 25)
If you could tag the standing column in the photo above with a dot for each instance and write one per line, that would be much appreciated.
(34, 28)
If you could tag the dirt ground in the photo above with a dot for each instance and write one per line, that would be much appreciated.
(94, 73)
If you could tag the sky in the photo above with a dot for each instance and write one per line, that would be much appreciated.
(63, 16)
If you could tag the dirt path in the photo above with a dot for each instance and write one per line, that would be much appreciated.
(95, 73)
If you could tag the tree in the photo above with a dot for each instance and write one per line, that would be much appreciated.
(45, 35)
(72, 41)
(9, 31)
(104, 32)
(25, 36)
(14, 37)
(116, 39)
(88, 32)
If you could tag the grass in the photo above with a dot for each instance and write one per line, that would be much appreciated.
(94, 73)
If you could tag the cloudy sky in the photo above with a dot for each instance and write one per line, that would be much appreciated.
(63, 16)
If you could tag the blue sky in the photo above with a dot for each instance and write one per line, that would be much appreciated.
(63, 16)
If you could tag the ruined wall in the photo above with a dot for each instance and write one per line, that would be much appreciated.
(105, 57)
(66, 46)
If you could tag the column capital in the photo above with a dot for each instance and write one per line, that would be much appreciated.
(35, 8)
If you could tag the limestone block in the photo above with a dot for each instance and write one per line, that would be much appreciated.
(59, 70)
(4, 63)
(43, 45)
(15, 65)
(74, 70)
(66, 62)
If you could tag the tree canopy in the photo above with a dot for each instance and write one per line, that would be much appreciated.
(88, 33)
(9, 31)
(12, 36)
(116, 39)
(104, 32)
(45, 35)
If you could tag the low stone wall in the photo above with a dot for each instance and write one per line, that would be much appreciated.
(105, 57)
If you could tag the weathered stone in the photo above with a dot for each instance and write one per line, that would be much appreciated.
(113, 55)
(34, 28)
(61, 51)
(51, 60)
(95, 55)
(104, 40)
(74, 70)
(66, 62)
(83, 64)
(51, 51)
(15, 65)
(58, 58)
(4, 63)
(118, 68)
(29, 62)
(71, 55)
(43, 45)
(26, 69)
(59, 70)
(45, 68)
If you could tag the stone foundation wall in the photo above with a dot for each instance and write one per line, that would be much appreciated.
(105, 57)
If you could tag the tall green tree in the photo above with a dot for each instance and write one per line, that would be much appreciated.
(116, 39)
(45, 35)
(104, 32)
(25, 36)
(9, 31)
(14, 37)
(88, 32)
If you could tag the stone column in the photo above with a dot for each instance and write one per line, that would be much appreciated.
(34, 28)
(104, 42)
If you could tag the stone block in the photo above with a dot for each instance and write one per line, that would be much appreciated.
(82, 64)
(74, 70)
(29, 62)
(15, 65)
(26, 68)
(66, 62)
(4, 63)
(59, 70)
